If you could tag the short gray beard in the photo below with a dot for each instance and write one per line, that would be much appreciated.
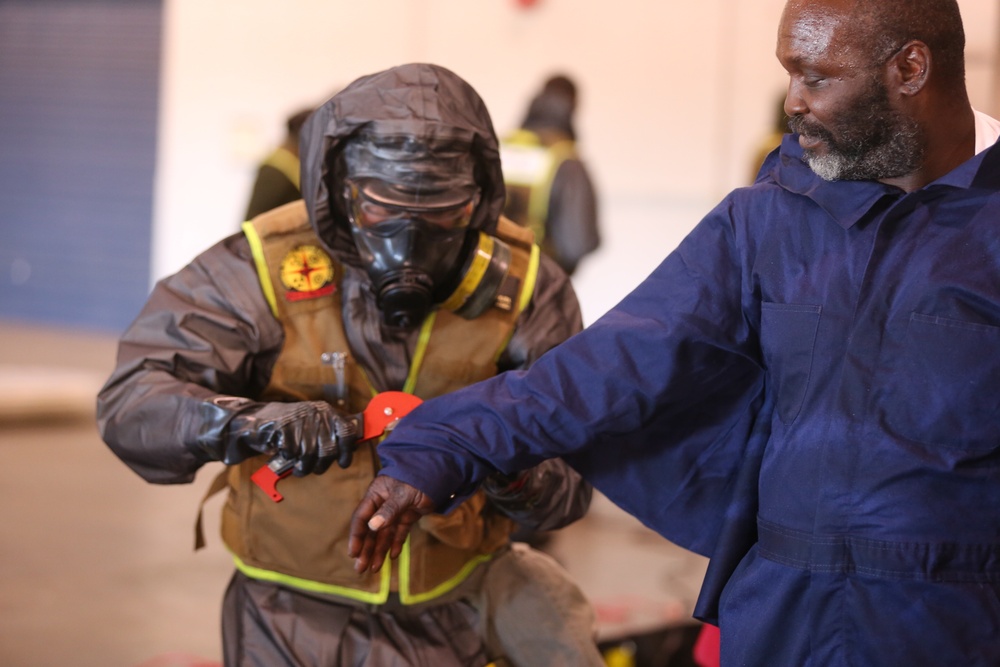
(828, 167)
(899, 156)
(875, 141)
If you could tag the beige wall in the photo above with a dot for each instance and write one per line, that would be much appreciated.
(675, 96)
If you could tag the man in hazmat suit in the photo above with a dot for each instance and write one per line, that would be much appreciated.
(395, 273)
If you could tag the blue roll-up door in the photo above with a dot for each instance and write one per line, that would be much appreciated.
(79, 82)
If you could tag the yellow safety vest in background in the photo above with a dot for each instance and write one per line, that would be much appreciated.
(529, 168)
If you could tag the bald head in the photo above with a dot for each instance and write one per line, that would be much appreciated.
(877, 88)
(878, 28)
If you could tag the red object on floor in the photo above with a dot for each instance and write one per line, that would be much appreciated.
(706, 647)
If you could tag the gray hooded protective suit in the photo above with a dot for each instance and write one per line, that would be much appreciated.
(193, 364)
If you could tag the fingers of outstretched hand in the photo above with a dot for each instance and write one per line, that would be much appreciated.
(382, 520)
(372, 529)
(399, 534)
(369, 546)
(382, 541)
(357, 545)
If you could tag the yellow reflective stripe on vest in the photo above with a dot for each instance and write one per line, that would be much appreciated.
(419, 352)
(530, 278)
(381, 597)
(527, 291)
(525, 160)
(534, 166)
(287, 163)
(404, 577)
(538, 204)
(257, 249)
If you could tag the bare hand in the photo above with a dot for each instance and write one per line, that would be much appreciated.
(382, 521)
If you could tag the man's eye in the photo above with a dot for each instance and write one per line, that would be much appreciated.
(813, 81)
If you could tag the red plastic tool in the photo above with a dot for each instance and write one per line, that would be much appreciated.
(381, 415)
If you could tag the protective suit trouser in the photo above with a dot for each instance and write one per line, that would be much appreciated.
(266, 625)
(519, 610)
(533, 613)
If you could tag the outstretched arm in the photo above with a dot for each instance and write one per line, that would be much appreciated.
(382, 521)
(639, 404)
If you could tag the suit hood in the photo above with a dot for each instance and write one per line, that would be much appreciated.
(420, 101)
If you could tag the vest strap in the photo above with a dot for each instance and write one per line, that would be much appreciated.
(218, 484)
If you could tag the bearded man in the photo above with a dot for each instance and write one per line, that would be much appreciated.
(804, 390)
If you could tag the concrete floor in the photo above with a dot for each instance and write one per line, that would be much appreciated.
(97, 567)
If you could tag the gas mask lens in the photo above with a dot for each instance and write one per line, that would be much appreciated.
(385, 218)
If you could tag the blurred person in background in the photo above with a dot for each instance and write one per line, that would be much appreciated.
(277, 180)
(806, 389)
(396, 272)
(548, 187)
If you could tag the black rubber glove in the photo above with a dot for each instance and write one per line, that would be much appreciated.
(546, 497)
(311, 433)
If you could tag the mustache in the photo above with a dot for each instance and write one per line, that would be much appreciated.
(799, 125)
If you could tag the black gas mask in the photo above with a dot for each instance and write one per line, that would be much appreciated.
(411, 206)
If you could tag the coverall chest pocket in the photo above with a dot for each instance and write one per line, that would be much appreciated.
(788, 336)
(945, 387)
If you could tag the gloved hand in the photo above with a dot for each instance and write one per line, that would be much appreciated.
(546, 497)
(311, 433)
(499, 484)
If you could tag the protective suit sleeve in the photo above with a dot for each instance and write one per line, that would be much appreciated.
(548, 496)
(196, 357)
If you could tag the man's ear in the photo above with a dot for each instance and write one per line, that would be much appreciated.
(910, 68)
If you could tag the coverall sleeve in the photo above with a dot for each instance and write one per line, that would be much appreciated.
(200, 349)
(644, 403)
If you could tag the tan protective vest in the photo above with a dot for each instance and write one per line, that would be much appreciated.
(302, 541)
